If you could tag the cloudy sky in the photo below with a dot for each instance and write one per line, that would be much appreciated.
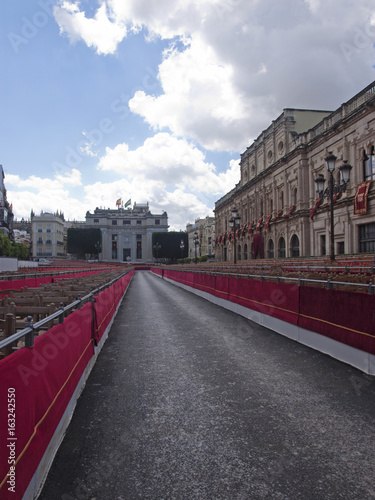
(154, 100)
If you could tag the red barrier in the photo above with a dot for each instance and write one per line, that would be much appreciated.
(348, 317)
(38, 383)
(279, 300)
(41, 382)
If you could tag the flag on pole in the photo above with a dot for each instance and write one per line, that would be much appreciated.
(128, 203)
(118, 202)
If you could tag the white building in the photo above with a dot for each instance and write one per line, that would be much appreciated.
(47, 232)
(127, 233)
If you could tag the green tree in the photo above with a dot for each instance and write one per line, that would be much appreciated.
(83, 241)
(5, 246)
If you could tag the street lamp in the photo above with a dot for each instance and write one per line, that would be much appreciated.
(182, 246)
(157, 247)
(196, 243)
(234, 223)
(333, 189)
(98, 248)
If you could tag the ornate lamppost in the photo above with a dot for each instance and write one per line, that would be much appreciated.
(157, 247)
(196, 243)
(182, 246)
(234, 223)
(332, 190)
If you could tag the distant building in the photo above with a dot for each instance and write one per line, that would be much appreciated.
(48, 236)
(6, 210)
(127, 232)
(203, 233)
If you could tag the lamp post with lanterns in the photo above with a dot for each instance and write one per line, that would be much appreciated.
(332, 190)
(196, 243)
(234, 224)
(182, 246)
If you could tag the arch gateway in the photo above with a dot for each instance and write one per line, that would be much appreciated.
(276, 196)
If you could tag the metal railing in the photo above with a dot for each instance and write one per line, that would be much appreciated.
(31, 328)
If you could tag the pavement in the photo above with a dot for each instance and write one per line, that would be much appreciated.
(189, 401)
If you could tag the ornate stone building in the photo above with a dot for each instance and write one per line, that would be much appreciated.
(281, 214)
(127, 233)
(205, 237)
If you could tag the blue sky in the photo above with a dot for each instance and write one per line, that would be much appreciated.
(155, 100)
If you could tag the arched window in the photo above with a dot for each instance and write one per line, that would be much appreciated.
(239, 252)
(281, 248)
(261, 207)
(245, 251)
(282, 199)
(271, 250)
(294, 245)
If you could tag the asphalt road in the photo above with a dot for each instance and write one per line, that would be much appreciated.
(189, 401)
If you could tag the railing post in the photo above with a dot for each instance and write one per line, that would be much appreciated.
(10, 329)
(29, 338)
(329, 284)
(370, 288)
(80, 301)
(61, 317)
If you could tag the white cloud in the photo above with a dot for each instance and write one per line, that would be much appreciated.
(172, 161)
(238, 63)
(103, 32)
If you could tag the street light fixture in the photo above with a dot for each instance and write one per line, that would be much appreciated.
(234, 223)
(157, 247)
(332, 190)
(182, 246)
(196, 243)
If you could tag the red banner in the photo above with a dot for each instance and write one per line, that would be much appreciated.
(360, 200)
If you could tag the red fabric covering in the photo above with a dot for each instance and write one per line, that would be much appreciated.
(258, 245)
(348, 317)
(275, 299)
(44, 379)
(204, 282)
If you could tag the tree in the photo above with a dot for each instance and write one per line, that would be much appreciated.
(5, 246)
(170, 245)
(84, 241)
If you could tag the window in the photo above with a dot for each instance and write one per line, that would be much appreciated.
(157, 222)
(239, 252)
(323, 249)
(271, 250)
(294, 244)
(367, 238)
(139, 222)
(139, 237)
(282, 252)
(96, 221)
(245, 251)
(114, 223)
(369, 165)
(126, 222)
(340, 247)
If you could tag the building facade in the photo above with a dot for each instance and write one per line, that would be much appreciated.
(47, 236)
(203, 233)
(127, 233)
(280, 213)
